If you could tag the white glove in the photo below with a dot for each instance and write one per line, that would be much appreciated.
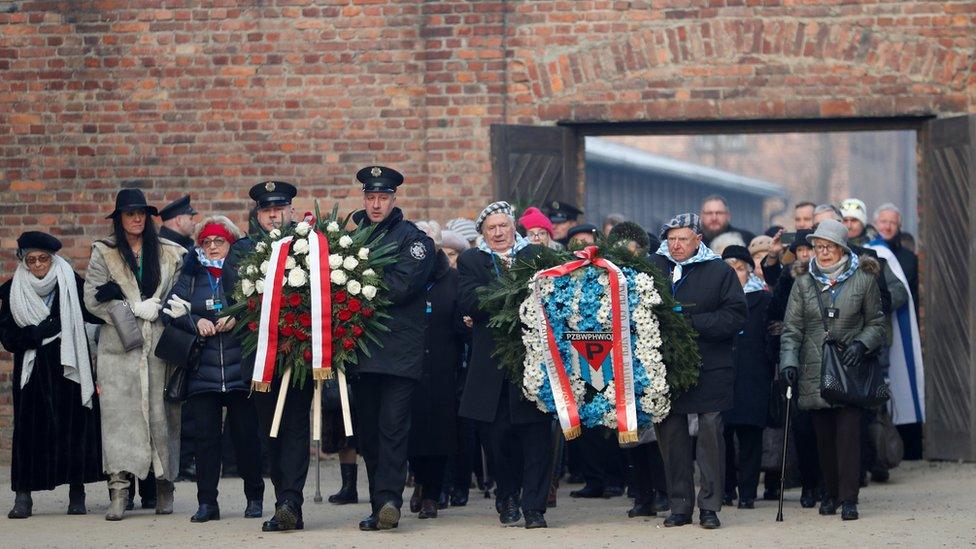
(177, 306)
(148, 309)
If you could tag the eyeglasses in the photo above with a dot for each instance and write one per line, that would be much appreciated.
(38, 260)
(218, 242)
(537, 234)
(821, 248)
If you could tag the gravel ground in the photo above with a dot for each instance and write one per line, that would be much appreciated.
(924, 505)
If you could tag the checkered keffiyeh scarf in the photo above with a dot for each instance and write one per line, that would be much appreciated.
(495, 207)
(680, 221)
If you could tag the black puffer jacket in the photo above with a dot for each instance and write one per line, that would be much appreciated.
(220, 361)
(401, 352)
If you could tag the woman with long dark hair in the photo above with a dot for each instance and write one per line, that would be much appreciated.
(134, 269)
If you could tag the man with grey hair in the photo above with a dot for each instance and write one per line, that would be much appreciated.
(887, 220)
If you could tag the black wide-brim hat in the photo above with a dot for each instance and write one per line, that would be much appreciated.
(131, 199)
(36, 240)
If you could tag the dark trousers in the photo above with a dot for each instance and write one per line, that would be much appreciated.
(468, 457)
(241, 422)
(428, 471)
(288, 452)
(522, 454)
(743, 473)
(839, 441)
(648, 466)
(187, 437)
(383, 421)
(600, 458)
(807, 457)
(676, 449)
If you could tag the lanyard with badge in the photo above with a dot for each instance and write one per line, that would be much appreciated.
(214, 303)
(833, 312)
(677, 279)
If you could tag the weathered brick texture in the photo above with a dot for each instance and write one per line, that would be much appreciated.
(209, 97)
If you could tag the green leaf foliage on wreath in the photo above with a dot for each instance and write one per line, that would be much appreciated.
(503, 297)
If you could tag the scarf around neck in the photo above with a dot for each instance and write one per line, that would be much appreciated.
(29, 307)
(826, 276)
(754, 284)
(215, 266)
(703, 254)
(505, 257)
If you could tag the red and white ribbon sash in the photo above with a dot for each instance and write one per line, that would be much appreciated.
(321, 305)
(621, 357)
(266, 355)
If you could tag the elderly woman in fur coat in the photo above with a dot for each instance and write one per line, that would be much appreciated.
(140, 431)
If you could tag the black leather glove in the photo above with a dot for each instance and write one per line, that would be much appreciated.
(790, 375)
(854, 354)
(47, 328)
(108, 291)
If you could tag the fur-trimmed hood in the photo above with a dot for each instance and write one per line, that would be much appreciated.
(868, 264)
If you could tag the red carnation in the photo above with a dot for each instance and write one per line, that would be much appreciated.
(357, 331)
(339, 297)
(367, 312)
(344, 315)
(252, 304)
(355, 305)
(305, 319)
(339, 332)
(302, 336)
(289, 318)
(347, 344)
(294, 300)
(253, 326)
(308, 355)
(287, 331)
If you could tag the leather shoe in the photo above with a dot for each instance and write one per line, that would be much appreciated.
(415, 498)
(808, 499)
(388, 517)
(459, 498)
(206, 512)
(661, 503)
(642, 510)
(254, 509)
(23, 506)
(747, 503)
(728, 498)
(509, 513)
(613, 491)
(588, 492)
(771, 494)
(369, 524)
(828, 507)
(288, 516)
(849, 511)
(535, 519)
(709, 520)
(677, 519)
(428, 509)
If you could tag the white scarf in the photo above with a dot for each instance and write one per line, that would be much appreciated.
(28, 307)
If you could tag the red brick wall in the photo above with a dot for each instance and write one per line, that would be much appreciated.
(211, 97)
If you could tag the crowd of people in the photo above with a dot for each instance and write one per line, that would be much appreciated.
(430, 404)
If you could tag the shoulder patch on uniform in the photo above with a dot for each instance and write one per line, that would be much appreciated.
(418, 251)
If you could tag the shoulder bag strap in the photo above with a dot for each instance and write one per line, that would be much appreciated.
(823, 313)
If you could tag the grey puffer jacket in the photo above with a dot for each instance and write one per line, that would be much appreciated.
(860, 318)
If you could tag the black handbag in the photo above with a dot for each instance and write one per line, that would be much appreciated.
(182, 351)
(861, 387)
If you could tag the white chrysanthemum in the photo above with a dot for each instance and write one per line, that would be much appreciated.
(297, 278)
(354, 287)
(369, 292)
(247, 287)
(335, 261)
(300, 247)
(350, 263)
(345, 241)
(290, 263)
(259, 286)
(303, 228)
(363, 253)
(338, 277)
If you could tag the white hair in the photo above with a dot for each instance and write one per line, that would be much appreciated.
(888, 207)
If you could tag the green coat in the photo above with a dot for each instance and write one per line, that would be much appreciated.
(861, 318)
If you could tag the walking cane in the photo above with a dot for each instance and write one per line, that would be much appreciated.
(317, 437)
(786, 440)
(318, 473)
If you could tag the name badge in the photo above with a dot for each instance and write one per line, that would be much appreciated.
(214, 305)
(833, 312)
(430, 309)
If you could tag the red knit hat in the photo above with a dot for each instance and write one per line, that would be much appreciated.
(215, 229)
(533, 218)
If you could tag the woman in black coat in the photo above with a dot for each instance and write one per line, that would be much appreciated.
(433, 430)
(753, 377)
(217, 382)
(57, 435)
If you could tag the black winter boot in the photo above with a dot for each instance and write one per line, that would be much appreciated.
(76, 500)
(23, 506)
(347, 493)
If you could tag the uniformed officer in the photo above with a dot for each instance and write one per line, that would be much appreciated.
(564, 216)
(384, 381)
(288, 452)
(177, 217)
